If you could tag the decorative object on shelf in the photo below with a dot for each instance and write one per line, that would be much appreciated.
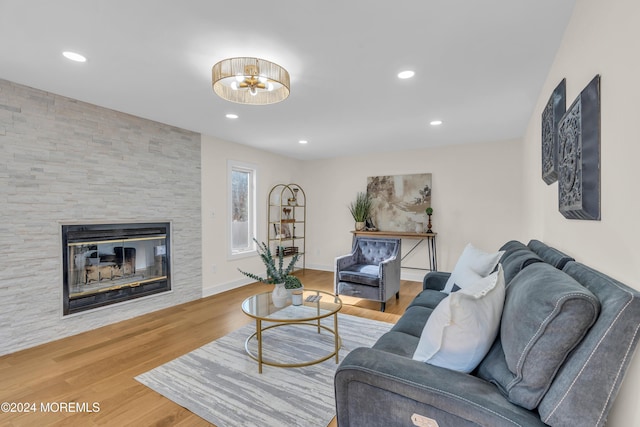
(429, 212)
(579, 156)
(287, 250)
(287, 213)
(282, 231)
(551, 116)
(277, 274)
(399, 199)
(251, 81)
(361, 210)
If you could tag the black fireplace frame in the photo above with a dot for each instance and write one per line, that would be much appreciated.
(76, 233)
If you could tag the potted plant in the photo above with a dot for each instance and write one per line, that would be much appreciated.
(361, 210)
(277, 274)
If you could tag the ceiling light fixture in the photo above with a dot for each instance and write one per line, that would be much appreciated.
(231, 116)
(435, 122)
(406, 74)
(74, 56)
(303, 141)
(250, 81)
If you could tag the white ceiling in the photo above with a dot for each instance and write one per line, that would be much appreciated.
(479, 65)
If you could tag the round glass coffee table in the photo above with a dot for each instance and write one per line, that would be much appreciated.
(316, 305)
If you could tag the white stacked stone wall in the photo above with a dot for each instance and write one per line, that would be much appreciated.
(66, 161)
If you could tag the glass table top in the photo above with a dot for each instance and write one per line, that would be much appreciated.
(261, 306)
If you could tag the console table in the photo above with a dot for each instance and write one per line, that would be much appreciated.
(420, 237)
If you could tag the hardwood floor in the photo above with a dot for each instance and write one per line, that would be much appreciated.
(100, 365)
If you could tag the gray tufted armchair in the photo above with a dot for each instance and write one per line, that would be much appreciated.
(370, 271)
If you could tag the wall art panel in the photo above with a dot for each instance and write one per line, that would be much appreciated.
(553, 112)
(579, 156)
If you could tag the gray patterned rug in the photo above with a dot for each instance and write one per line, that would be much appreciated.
(220, 383)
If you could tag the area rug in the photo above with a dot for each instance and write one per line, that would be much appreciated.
(220, 383)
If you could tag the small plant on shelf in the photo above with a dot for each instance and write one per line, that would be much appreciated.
(429, 212)
(276, 272)
(361, 209)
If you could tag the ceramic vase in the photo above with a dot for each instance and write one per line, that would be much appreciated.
(279, 295)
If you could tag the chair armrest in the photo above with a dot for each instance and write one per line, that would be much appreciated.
(435, 280)
(375, 388)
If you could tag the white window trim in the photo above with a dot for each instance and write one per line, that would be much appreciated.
(236, 165)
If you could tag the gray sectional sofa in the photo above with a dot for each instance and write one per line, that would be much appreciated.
(567, 336)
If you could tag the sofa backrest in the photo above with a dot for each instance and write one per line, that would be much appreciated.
(373, 251)
(516, 257)
(586, 385)
(550, 255)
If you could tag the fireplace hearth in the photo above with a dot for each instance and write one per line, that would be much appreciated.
(105, 264)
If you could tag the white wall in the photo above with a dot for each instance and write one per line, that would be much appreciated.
(218, 272)
(476, 198)
(601, 38)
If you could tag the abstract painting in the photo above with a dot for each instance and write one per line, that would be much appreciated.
(399, 201)
(551, 116)
(579, 156)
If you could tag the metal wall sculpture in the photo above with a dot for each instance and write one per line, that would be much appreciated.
(579, 156)
(551, 116)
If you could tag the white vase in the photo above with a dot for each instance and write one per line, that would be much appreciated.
(279, 295)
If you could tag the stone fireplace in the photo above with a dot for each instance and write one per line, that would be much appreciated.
(105, 264)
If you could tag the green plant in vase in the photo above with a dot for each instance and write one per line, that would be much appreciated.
(361, 210)
(277, 273)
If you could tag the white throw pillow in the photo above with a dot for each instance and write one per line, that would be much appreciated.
(472, 265)
(462, 328)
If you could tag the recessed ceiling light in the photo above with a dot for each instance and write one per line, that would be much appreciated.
(435, 122)
(406, 74)
(74, 56)
(303, 141)
(231, 116)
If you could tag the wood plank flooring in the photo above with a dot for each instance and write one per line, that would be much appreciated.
(100, 365)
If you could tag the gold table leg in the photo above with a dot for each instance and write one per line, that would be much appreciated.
(337, 337)
(259, 338)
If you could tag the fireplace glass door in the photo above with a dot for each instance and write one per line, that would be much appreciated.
(112, 265)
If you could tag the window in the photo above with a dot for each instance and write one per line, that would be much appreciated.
(242, 208)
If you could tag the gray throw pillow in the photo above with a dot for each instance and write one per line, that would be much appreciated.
(546, 314)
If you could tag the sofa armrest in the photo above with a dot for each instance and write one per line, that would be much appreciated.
(377, 388)
(435, 280)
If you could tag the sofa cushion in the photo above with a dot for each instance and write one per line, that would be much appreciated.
(428, 298)
(546, 314)
(412, 321)
(473, 264)
(364, 274)
(461, 329)
(398, 343)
